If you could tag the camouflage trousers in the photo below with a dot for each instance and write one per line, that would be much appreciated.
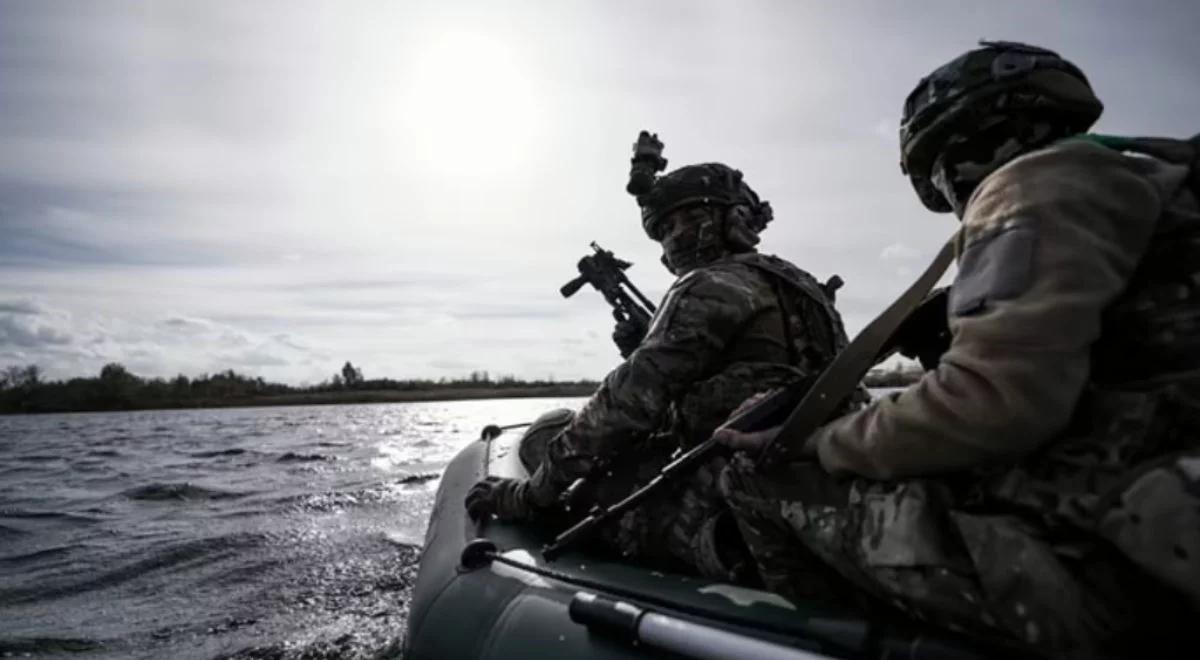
(687, 528)
(913, 546)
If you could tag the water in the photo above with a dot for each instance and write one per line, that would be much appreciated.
(234, 533)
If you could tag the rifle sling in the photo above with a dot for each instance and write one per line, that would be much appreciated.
(846, 370)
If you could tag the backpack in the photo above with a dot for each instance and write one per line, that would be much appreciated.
(1183, 152)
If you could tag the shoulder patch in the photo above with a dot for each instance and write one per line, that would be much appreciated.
(996, 266)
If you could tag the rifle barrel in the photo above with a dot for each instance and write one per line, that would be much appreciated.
(649, 305)
(567, 290)
(588, 525)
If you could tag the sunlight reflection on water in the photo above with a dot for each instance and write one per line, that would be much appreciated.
(285, 531)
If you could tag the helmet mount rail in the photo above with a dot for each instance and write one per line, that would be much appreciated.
(702, 184)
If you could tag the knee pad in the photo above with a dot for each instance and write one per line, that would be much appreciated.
(532, 446)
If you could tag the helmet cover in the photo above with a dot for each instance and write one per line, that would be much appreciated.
(1013, 94)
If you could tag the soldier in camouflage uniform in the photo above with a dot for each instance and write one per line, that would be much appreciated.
(732, 321)
(1041, 485)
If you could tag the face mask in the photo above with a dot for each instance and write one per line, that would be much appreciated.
(691, 241)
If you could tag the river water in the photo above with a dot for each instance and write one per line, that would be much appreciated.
(230, 533)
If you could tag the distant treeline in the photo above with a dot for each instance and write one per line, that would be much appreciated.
(23, 390)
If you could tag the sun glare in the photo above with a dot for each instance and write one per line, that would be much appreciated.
(471, 104)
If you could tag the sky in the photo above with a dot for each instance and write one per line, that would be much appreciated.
(280, 187)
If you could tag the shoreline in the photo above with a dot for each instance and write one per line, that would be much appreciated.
(43, 406)
(345, 397)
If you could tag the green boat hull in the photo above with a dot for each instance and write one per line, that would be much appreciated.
(491, 609)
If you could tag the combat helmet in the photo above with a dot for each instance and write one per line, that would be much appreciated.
(999, 78)
(713, 184)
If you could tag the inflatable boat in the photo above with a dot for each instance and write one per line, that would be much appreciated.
(485, 591)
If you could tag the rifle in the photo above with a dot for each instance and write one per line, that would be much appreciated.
(606, 273)
(771, 411)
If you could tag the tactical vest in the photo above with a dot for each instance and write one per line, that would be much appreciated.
(811, 339)
(799, 336)
(1128, 466)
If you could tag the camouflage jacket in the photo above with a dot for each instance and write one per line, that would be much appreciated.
(1069, 399)
(1043, 482)
(724, 331)
(1050, 243)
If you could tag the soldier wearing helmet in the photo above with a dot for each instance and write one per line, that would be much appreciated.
(733, 320)
(700, 213)
(1041, 485)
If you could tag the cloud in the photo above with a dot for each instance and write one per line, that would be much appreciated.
(66, 344)
(899, 252)
(262, 356)
(398, 282)
(486, 311)
(186, 325)
(279, 187)
(15, 331)
(30, 325)
(450, 365)
(284, 339)
(19, 307)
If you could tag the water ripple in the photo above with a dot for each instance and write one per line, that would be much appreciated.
(27, 646)
(292, 457)
(178, 491)
(235, 451)
(280, 533)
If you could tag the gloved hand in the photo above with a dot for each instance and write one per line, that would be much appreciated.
(495, 496)
(925, 334)
(627, 335)
(510, 499)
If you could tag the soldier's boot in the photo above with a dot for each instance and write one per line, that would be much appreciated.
(533, 445)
